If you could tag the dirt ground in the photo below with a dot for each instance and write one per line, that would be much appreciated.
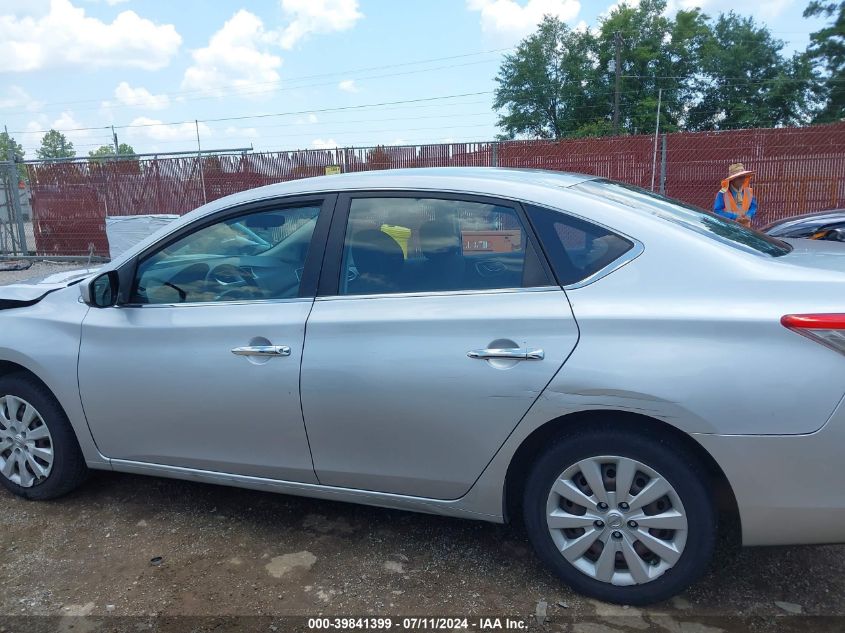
(37, 269)
(125, 548)
(130, 545)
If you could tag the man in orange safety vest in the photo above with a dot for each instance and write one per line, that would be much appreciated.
(736, 200)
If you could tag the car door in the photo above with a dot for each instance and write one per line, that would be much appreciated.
(437, 326)
(199, 368)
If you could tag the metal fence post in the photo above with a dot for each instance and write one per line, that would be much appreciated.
(14, 219)
(7, 237)
(494, 159)
(16, 205)
(663, 167)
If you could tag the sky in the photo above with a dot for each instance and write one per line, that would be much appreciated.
(279, 74)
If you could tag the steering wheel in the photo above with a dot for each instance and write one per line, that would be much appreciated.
(232, 283)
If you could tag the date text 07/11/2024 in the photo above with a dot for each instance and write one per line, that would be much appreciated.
(418, 623)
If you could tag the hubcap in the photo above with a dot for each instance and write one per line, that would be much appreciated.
(616, 520)
(26, 446)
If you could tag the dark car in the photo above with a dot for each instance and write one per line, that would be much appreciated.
(821, 225)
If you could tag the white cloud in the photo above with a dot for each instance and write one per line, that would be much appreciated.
(241, 53)
(111, 3)
(317, 16)
(348, 85)
(19, 99)
(241, 132)
(30, 7)
(511, 20)
(236, 57)
(65, 36)
(140, 97)
(153, 130)
(66, 123)
(329, 143)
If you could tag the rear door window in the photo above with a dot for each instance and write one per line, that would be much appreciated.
(407, 245)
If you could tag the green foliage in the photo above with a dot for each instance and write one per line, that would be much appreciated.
(9, 144)
(55, 145)
(717, 73)
(746, 82)
(547, 85)
(106, 151)
(657, 52)
(827, 53)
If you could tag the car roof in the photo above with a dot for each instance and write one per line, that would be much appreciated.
(494, 181)
(817, 218)
(518, 184)
(439, 177)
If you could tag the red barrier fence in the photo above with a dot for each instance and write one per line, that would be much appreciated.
(798, 170)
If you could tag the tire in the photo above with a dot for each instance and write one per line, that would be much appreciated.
(657, 462)
(66, 470)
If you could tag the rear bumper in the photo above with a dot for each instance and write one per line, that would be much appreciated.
(790, 489)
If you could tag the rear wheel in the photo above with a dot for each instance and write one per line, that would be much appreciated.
(620, 517)
(39, 455)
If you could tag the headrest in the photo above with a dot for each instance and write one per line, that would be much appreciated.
(377, 253)
(438, 238)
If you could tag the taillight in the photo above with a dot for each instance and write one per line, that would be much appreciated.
(827, 329)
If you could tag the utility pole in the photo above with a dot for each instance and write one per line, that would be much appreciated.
(199, 160)
(656, 132)
(617, 44)
(114, 136)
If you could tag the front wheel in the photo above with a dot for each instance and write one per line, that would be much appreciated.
(621, 517)
(39, 455)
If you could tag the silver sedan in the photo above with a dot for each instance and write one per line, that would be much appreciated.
(620, 372)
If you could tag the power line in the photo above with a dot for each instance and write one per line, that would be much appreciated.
(263, 116)
(203, 93)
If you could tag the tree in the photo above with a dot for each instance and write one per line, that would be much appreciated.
(561, 82)
(827, 52)
(722, 73)
(746, 82)
(658, 52)
(7, 144)
(105, 151)
(547, 86)
(55, 145)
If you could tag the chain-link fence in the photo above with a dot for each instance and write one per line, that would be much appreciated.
(797, 170)
(16, 235)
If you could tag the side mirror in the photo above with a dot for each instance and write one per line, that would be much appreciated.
(835, 235)
(101, 291)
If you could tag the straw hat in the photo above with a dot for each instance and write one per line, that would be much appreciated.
(737, 170)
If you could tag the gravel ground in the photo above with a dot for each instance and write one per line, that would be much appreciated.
(38, 269)
(225, 552)
(127, 545)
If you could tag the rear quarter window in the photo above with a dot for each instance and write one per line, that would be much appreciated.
(691, 218)
(576, 249)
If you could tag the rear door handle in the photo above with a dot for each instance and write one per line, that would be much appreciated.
(514, 353)
(262, 350)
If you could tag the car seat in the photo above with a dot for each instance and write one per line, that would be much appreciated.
(379, 260)
(444, 266)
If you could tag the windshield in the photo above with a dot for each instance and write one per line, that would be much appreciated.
(233, 238)
(693, 218)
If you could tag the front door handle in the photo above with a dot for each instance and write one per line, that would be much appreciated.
(262, 350)
(514, 353)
